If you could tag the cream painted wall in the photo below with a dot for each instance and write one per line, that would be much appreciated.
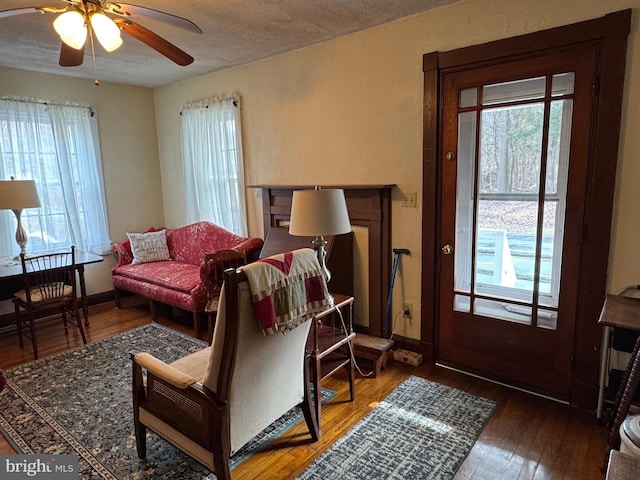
(126, 120)
(345, 111)
(349, 111)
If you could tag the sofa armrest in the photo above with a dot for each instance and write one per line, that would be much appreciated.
(212, 272)
(251, 248)
(124, 255)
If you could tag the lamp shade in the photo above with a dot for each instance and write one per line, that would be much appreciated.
(18, 194)
(319, 212)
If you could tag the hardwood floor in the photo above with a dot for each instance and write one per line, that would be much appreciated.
(527, 438)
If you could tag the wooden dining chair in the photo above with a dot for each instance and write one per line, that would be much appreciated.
(49, 288)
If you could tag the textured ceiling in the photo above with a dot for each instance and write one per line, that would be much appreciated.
(235, 32)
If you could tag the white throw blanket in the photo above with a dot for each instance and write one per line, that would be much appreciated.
(287, 289)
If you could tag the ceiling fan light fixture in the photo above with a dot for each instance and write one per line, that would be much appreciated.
(107, 32)
(71, 28)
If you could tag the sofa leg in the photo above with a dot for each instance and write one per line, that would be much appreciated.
(152, 309)
(196, 324)
(117, 298)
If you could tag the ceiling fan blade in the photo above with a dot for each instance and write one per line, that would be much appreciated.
(70, 57)
(156, 42)
(125, 10)
(18, 11)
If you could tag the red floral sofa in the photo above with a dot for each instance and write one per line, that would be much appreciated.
(183, 280)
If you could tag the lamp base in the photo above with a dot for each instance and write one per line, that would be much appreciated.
(21, 235)
(319, 243)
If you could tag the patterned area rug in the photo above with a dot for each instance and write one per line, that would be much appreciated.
(79, 402)
(422, 430)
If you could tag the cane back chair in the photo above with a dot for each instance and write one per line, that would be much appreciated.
(212, 402)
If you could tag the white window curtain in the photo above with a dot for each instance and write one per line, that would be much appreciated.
(57, 146)
(213, 164)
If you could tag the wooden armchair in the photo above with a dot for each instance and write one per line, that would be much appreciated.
(211, 403)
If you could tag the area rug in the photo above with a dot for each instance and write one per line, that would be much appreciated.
(422, 430)
(79, 402)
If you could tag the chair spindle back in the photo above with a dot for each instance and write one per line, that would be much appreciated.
(49, 276)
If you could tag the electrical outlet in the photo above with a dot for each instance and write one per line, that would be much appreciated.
(407, 310)
(410, 199)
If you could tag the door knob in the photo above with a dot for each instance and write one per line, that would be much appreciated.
(447, 249)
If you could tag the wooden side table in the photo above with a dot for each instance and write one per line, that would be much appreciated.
(622, 312)
(329, 346)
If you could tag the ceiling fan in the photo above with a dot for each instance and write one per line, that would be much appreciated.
(82, 19)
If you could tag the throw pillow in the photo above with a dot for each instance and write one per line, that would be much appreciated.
(149, 247)
(127, 244)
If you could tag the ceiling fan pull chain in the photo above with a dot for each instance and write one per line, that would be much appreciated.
(96, 82)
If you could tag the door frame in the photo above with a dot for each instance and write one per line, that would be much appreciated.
(609, 36)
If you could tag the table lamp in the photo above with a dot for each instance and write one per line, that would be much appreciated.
(16, 195)
(317, 213)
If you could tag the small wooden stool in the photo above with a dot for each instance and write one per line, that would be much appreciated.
(372, 350)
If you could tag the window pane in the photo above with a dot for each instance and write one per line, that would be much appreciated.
(464, 204)
(510, 148)
(549, 266)
(469, 97)
(547, 319)
(562, 84)
(511, 140)
(461, 303)
(502, 310)
(558, 150)
(554, 209)
(528, 89)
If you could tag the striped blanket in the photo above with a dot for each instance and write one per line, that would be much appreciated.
(287, 289)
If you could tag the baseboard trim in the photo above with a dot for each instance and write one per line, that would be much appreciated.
(418, 346)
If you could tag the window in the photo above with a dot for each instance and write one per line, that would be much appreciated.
(214, 171)
(506, 218)
(57, 146)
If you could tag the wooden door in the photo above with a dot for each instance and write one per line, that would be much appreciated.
(516, 147)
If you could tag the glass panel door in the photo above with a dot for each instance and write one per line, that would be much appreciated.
(514, 171)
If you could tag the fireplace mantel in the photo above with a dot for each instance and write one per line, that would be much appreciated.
(369, 206)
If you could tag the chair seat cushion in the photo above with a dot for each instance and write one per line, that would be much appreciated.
(55, 292)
